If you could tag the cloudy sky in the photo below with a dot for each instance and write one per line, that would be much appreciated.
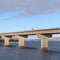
(29, 7)
(16, 15)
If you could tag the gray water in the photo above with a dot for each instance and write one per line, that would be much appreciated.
(15, 53)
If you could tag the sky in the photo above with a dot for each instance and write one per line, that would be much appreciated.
(20, 15)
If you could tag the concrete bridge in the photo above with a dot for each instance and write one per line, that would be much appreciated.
(43, 34)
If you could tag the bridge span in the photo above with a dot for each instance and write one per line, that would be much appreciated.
(43, 34)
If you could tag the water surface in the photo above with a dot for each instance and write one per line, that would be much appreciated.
(15, 53)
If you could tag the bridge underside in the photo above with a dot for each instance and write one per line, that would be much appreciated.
(48, 35)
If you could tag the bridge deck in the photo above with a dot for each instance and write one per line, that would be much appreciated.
(33, 32)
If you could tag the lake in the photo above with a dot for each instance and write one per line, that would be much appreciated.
(16, 53)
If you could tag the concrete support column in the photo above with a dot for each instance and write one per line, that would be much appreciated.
(6, 41)
(44, 42)
(21, 41)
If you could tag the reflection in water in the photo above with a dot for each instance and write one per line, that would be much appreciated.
(44, 55)
(50, 55)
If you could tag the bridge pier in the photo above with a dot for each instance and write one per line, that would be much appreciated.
(6, 41)
(21, 41)
(44, 42)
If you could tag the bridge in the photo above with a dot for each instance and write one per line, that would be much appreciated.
(43, 34)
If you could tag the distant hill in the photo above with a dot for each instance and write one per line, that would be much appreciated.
(55, 39)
